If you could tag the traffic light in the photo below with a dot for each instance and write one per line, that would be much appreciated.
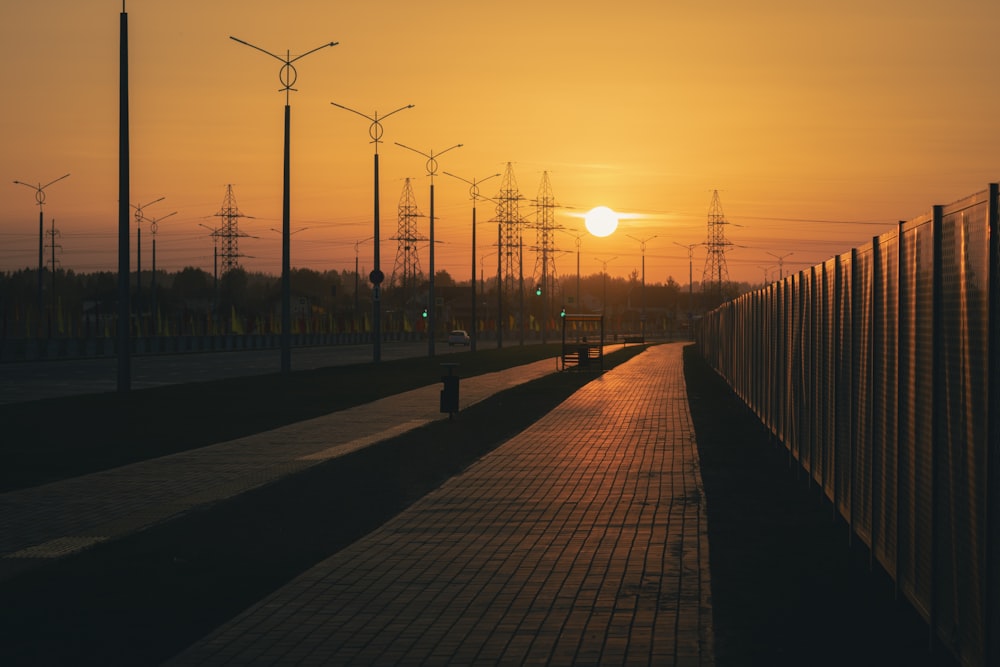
(538, 290)
(424, 314)
(563, 313)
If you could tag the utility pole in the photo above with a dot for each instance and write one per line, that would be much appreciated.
(40, 200)
(781, 263)
(139, 217)
(432, 167)
(690, 250)
(153, 225)
(474, 195)
(53, 301)
(604, 280)
(287, 76)
(642, 249)
(375, 131)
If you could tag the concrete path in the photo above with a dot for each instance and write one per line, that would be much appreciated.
(583, 540)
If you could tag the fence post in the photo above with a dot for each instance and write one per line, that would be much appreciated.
(991, 613)
(938, 439)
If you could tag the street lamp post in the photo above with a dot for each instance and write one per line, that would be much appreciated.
(781, 263)
(690, 248)
(432, 167)
(153, 224)
(474, 195)
(375, 131)
(578, 236)
(287, 76)
(642, 249)
(604, 278)
(40, 200)
(215, 267)
(139, 217)
(357, 285)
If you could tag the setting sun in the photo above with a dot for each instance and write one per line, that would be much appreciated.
(601, 221)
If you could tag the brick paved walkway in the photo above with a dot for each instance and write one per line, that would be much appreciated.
(58, 519)
(583, 540)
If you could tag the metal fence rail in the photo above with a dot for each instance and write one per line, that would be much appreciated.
(879, 371)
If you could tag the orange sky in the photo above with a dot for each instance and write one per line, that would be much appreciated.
(821, 124)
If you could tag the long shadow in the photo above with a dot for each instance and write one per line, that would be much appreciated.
(144, 598)
(789, 587)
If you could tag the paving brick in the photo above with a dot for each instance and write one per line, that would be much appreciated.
(582, 540)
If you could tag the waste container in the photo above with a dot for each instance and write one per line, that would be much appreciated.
(449, 393)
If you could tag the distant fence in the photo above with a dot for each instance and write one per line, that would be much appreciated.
(879, 371)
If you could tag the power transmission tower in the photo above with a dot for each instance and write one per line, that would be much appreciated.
(511, 232)
(406, 270)
(716, 274)
(229, 233)
(544, 273)
(510, 238)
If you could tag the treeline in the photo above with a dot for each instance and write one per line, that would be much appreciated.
(68, 303)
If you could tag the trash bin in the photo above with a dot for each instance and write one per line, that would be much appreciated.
(449, 393)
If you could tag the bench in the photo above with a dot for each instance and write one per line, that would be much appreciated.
(634, 339)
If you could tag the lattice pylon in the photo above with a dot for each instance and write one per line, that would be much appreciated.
(545, 230)
(229, 232)
(511, 232)
(406, 271)
(716, 274)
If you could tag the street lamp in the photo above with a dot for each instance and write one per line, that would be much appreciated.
(604, 276)
(153, 224)
(287, 76)
(357, 285)
(474, 195)
(375, 132)
(642, 248)
(432, 167)
(215, 267)
(40, 200)
(139, 217)
(781, 262)
(579, 242)
(690, 248)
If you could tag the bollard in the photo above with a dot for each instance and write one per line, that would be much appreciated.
(449, 394)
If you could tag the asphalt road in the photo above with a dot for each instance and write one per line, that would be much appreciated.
(32, 380)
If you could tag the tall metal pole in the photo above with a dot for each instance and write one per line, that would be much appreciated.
(375, 131)
(154, 316)
(642, 249)
(357, 285)
(690, 248)
(604, 276)
(124, 307)
(432, 167)
(781, 262)
(40, 200)
(287, 76)
(499, 286)
(474, 195)
(139, 217)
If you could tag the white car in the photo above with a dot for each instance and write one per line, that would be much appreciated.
(458, 337)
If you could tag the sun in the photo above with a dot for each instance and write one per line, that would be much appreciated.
(601, 221)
